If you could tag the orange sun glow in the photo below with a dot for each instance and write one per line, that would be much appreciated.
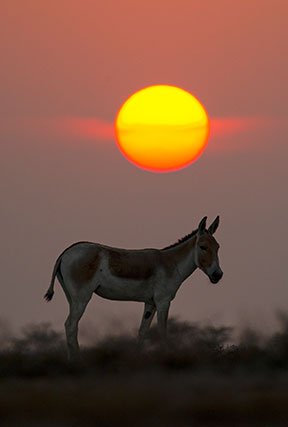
(162, 128)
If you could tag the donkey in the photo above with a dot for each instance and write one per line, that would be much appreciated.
(152, 276)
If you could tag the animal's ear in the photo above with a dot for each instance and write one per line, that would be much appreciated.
(202, 225)
(213, 227)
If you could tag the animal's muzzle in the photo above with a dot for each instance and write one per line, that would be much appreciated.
(216, 276)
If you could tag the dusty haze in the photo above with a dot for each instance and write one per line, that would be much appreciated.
(67, 62)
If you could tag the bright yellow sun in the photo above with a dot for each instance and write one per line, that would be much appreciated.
(162, 128)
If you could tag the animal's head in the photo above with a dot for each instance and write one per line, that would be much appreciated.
(206, 253)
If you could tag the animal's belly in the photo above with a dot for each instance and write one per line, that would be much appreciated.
(125, 291)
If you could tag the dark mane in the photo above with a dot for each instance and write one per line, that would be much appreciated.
(183, 239)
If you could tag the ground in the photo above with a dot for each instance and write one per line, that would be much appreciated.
(199, 378)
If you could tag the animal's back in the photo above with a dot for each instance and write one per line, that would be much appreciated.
(113, 273)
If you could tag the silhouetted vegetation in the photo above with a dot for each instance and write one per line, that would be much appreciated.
(199, 377)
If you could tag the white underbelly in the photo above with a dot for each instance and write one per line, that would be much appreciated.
(125, 290)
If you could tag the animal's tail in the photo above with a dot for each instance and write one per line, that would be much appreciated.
(50, 292)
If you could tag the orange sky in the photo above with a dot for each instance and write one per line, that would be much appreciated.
(65, 64)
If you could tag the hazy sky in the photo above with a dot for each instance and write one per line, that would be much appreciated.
(66, 67)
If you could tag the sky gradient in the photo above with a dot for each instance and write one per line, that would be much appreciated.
(67, 66)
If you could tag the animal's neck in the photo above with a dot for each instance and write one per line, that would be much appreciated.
(182, 256)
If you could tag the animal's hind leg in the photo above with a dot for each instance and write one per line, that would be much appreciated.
(149, 311)
(77, 309)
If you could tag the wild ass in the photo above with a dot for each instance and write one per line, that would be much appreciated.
(152, 276)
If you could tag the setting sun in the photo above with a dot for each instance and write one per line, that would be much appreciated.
(162, 128)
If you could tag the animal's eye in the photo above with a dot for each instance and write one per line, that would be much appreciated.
(203, 248)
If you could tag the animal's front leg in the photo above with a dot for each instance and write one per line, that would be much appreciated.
(162, 317)
(149, 311)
